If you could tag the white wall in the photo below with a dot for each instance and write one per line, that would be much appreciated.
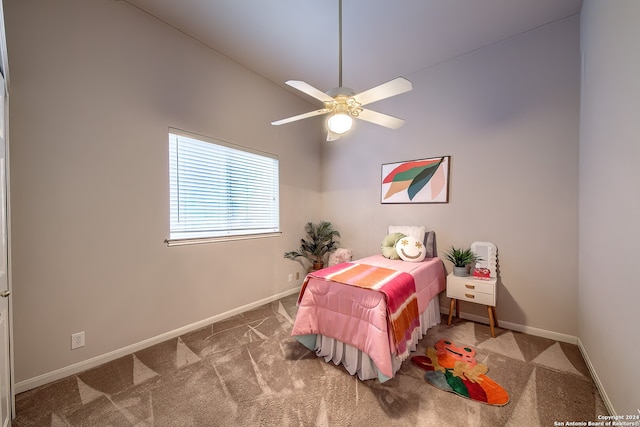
(609, 291)
(94, 87)
(508, 115)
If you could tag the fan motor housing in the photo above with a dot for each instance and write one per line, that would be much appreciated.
(341, 91)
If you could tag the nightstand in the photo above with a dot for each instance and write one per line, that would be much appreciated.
(478, 291)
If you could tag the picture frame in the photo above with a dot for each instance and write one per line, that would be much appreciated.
(416, 181)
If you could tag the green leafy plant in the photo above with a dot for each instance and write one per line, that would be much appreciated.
(461, 257)
(319, 242)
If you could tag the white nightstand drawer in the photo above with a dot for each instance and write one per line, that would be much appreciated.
(476, 285)
(472, 290)
(471, 296)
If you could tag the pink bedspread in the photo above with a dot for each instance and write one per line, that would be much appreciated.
(359, 316)
(398, 288)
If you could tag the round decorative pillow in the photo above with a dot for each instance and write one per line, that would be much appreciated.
(389, 245)
(411, 249)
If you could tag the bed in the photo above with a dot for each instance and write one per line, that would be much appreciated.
(365, 328)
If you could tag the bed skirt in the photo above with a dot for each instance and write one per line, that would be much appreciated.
(356, 361)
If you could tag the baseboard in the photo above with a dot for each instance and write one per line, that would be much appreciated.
(596, 380)
(518, 327)
(76, 368)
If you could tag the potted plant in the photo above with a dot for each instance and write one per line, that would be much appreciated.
(460, 258)
(319, 242)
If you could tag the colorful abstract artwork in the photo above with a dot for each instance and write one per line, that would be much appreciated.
(416, 181)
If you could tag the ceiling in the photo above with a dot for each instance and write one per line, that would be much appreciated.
(382, 39)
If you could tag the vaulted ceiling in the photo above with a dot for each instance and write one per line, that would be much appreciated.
(382, 39)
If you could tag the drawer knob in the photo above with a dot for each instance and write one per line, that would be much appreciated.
(470, 286)
(472, 296)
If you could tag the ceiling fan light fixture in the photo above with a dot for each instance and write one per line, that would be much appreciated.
(340, 123)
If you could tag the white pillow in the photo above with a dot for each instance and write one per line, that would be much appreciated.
(411, 249)
(409, 230)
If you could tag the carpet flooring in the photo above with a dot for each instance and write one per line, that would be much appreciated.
(248, 371)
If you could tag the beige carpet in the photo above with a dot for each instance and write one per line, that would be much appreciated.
(248, 371)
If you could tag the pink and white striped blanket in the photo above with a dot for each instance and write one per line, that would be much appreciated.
(398, 288)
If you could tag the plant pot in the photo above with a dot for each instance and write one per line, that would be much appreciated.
(460, 271)
(317, 265)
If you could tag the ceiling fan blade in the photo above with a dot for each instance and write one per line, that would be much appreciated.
(385, 90)
(380, 119)
(301, 116)
(309, 90)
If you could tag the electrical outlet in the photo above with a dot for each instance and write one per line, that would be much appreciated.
(77, 340)
(291, 277)
(297, 275)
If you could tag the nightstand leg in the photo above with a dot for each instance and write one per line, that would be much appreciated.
(491, 320)
(495, 317)
(452, 306)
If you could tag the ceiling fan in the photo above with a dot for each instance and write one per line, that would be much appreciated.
(342, 103)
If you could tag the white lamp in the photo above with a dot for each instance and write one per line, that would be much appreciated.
(340, 122)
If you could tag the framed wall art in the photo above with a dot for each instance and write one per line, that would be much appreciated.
(416, 181)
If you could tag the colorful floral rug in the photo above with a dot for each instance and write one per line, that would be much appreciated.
(455, 369)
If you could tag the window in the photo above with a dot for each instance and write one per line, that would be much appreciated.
(220, 191)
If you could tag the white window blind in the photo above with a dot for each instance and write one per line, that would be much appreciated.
(219, 190)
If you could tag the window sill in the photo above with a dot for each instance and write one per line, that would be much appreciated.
(202, 240)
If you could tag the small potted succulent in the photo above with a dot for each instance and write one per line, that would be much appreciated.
(319, 242)
(461, 258)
